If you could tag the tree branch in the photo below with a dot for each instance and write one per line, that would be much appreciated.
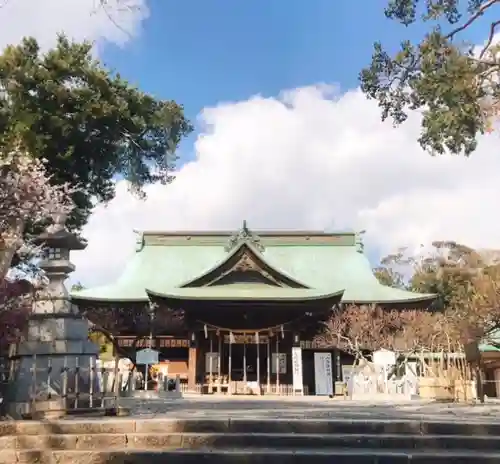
(480, 12)
(490, 38)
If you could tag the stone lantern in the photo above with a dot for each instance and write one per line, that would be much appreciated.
(56, 357)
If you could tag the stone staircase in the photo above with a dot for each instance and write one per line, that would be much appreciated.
(329, 441)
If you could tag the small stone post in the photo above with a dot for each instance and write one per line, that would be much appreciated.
(55, 358)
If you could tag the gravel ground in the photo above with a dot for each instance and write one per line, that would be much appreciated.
(213, 407)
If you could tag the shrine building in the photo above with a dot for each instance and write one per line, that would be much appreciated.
(251, 304)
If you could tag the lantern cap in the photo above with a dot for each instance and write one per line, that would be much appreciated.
(57, 236)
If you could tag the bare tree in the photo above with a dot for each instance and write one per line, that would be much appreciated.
(362, 329)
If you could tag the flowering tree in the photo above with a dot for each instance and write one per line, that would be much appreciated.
(26, 197)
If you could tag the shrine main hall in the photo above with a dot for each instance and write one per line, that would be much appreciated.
(250, 303)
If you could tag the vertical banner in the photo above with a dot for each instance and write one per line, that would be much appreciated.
(279, 362)
(323, 375)
(298, 385)
(211, 362)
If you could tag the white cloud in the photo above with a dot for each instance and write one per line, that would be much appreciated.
(308, 160)
(79, 19)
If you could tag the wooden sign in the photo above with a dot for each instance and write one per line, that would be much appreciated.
(173, 343)
(159, 342)
(247, 339)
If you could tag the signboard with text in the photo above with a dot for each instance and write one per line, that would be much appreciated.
(323, 375)
(147, 356)
(297, 370)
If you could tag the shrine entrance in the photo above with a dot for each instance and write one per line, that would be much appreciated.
(245, 363)
(246, 357)
(248, 366)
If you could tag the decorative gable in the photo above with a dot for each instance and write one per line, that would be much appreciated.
(247, 269)
(244, 264)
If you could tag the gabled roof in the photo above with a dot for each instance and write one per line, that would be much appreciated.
(327, 262)
(243, 254)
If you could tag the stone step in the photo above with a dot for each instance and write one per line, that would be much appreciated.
(455, 426)
(174, 441)
(251, 456)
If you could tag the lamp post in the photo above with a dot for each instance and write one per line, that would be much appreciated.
(55, 359)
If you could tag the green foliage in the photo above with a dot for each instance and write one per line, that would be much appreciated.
(450, 270)
(106, 349)
(77, 287)
(88, 123)
(451, 81)
(394, 269)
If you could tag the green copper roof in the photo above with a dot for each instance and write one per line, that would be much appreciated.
(324, 262)
(491, 342)
(245, 292)
(252, 248)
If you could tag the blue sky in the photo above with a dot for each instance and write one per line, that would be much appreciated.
(202, 52)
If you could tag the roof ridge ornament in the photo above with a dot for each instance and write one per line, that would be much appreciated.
(244, 235)
(139, 240)
(360, 246)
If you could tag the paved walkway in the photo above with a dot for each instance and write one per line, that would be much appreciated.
(213, 407)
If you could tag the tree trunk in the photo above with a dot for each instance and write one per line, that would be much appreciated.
(10, 245)
(480, 383)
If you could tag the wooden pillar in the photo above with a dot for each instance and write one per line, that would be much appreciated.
(244, 363)
(230, 387)
(219, 362)
(192, 362)
(210, 363)
(277, 364)
(257, 341)
(268, 364)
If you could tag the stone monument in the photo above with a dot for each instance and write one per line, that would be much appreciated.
(53, 365)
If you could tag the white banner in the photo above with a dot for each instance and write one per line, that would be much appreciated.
(297, 369)
(323, 375)
(211, 363)
(281, 362)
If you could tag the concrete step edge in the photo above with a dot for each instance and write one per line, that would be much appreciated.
(239, 425)
(276, 435)
(452, 420)
(271, 451)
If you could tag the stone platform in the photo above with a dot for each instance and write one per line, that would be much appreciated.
(291, 430)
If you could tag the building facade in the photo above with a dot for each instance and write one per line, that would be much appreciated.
(249, 305)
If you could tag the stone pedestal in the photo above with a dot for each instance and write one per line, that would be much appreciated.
(54, 366)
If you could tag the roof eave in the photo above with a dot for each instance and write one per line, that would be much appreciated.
(320, 297)
(416, 299)
(105, 300)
